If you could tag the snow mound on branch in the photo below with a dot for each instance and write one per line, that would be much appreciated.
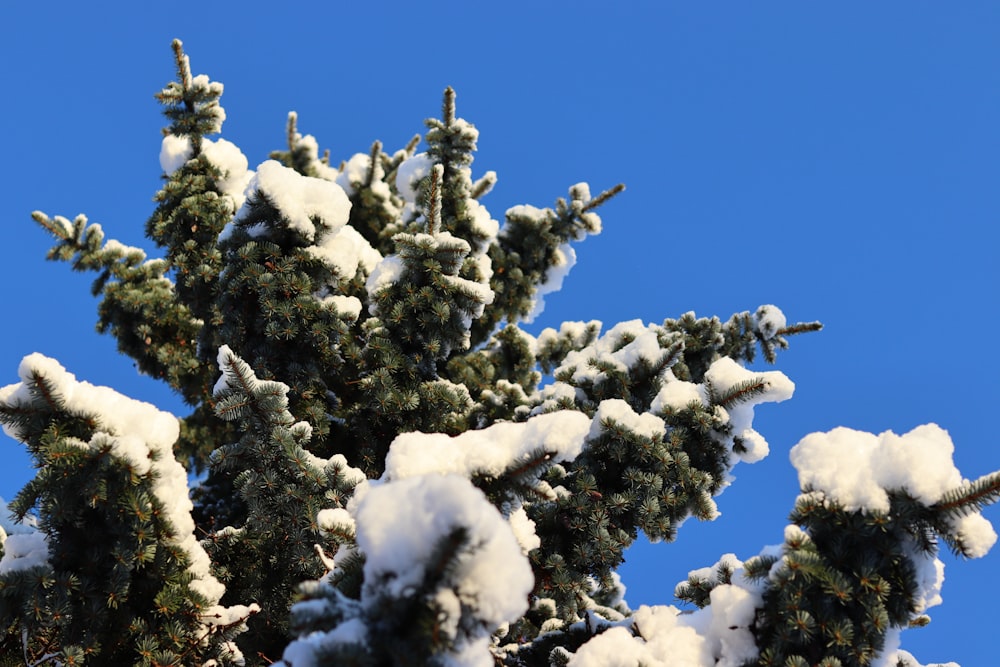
(717, 635)
(722, 378)
(563, 260)
(22, 551)
(643, 346)
(317, 209)
(401, 525)
(357, 170)
(617, 410)
(224, 155)
(232, 163)
(769, 320)
(391, 269)
(857, 469)
(300, 199)
(174, 152)
(410, 173)
(724, 375)
(906, 659)
(346, 250)
(489, 451)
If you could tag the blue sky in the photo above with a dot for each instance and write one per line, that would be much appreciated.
(838, 160)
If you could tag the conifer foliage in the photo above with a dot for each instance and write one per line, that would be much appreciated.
(394, 471)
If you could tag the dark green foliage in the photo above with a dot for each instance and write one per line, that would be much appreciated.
(283, 488)
(848, 577)
(139, 305)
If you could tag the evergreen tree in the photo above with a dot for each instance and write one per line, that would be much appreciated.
(397, 471)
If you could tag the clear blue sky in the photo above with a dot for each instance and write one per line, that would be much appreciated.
(838, 160)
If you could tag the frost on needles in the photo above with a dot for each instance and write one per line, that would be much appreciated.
(397, 470)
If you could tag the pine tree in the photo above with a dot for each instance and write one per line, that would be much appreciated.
(396, 472)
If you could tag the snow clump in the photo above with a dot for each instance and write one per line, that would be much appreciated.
(717, 635)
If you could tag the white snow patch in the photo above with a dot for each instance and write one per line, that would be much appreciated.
(23, 551)
(174, 152)
(643, 346)
(230, 160)
(489, 451)
(409, 174)
(524, 530)
(723, 376)
(385, 273)
(563, 261)
(348, 307)
(718, 635)
(856, 469)
(676, 395)
(617, 410)
(300, 199)
(770, 320)
(346, 250)
(483, 223)
(401, 523)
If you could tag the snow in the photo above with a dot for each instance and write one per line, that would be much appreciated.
(318, 209)
(976, 534)
(524, 530)
(226, 156)
(617, 410)
(348, 307)
(356, 170)
(11, 527)
(490, 451)
(385, 273)
(564, 260)
(302, 652)
(390, 269)
(224, 361)
(575, 333)
(718, 635)
(929, 575)
(230, 161)
(323, 170)
(23, 551)
(553, 394)
(346, 251)
(564, 257)
(483, 223)
(300, 199)
(856, 469)
(214, 109)
(401, 524)
(725, 374)
(645, 345)
(116, 413)
(908, 660)
(676, 395)
(335, 520)
(769, 320)
(174, 152)
(480, 292)
(410, 173)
